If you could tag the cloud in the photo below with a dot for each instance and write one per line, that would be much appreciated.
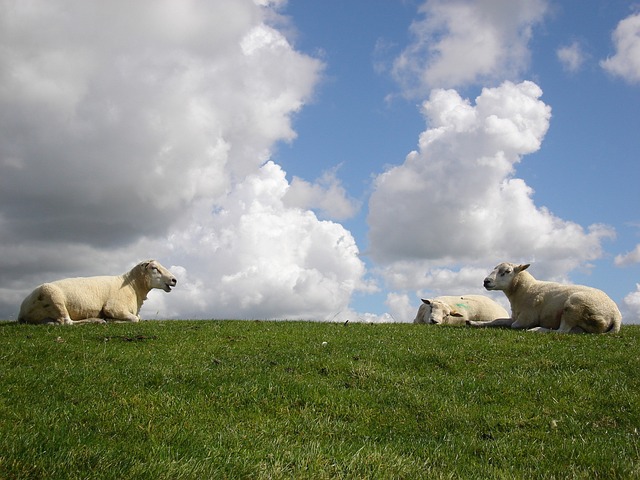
(256, 258)
(631, 306)
(628, 258)
(625, 63)
(571, 57)
(400, 307)
(137, 131)
(327, 195)
(465, 42)
(454, 208)
(109, 118)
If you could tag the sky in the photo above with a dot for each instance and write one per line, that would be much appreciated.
(319, 160)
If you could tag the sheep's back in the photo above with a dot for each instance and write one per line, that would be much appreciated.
(475, 307)
(485, 308)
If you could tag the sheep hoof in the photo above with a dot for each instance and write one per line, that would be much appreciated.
(538, 330)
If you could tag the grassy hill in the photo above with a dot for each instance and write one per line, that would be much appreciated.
(240, 399)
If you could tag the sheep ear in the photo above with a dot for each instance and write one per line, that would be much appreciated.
(520, 268)
(426, 302)
(453, 313)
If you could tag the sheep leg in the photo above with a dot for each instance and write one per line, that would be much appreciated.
(124, 318)
(526, 322)
(563, 328)
(50, 321)
(540, 330)
(567, 327)
(117, 311)
(577, 317)
(45, 305)
(84, 320)
(498, 322)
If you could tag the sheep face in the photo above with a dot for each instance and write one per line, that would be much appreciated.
(502, 276)
(160, 277)
(435, 312)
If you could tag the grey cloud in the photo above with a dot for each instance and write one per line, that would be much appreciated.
(123, 124)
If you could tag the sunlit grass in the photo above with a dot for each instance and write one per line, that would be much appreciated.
(234, 399)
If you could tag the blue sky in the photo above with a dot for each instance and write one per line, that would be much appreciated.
(319, 160)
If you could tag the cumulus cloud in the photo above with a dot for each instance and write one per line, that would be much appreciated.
(628, 258)
(454, 207)
(401, 307)
(137, 131)
(464, 42)
(571, 57)
(112, 114)
(257, 258)
(625, 63)
(631, 306)
(327, 195)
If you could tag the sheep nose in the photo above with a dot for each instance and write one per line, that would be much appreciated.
(487, 282)
(173, 282)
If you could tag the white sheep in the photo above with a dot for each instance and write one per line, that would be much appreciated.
(457, 310)
(95, 299)
(549, 306)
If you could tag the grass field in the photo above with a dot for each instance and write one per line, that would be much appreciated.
(266, 400)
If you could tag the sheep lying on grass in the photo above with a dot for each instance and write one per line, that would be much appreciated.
(95, 299)
(457, 310)
(549, 306)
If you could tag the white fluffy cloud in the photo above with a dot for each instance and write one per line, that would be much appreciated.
(327, 195)
(454, 207)
(464, 42)
(571, 57)
(256, 258)
(631, 306)
(626, 61)
(401, 307)
(628, 258)
(130, 131)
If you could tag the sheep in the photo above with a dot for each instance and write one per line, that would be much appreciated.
(457, 310)
(548, 306)
(74, 301)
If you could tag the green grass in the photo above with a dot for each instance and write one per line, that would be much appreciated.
(265, 400)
